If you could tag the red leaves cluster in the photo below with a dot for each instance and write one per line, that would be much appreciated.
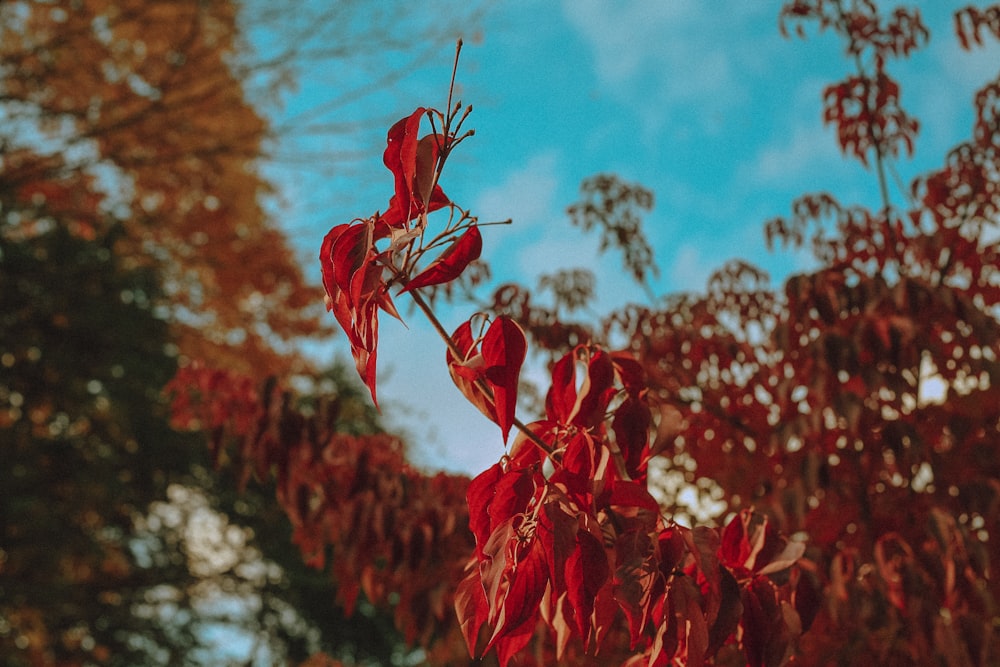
(355, 291)
(806, 402)
(971, 21)
(358, 259)
(540, 518)
(569, 539)
(867, 115)
(865, 107)
(862, 26)
(964, 194)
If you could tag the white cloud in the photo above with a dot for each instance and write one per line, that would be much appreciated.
(807, 149)
(540, 239)
(658, 55)
(622, 35)
(689, 270)
(527, 195)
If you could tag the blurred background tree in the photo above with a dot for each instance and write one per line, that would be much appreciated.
(136, 237)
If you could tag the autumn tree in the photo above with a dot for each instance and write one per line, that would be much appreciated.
(859, 404)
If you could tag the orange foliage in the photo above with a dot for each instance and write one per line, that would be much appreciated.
(147, 92)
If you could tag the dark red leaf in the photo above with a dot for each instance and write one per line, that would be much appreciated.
(691, 629)
(586, 571)
(634, 575)
(631, 425)
(767, 635)
(514, 577)
(703, 542)
(730, 611)
(808, 597)
(557, 532)
(672, 550)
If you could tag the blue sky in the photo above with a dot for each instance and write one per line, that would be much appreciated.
(705, 103)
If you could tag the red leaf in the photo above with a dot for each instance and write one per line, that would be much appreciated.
(426, 163)
(412, 163)
(514, 577)
(691, 629)
(480, 496)
(730, 611)
(768, 624)
(557, 532)
(586, 571)
(561, 399)
(627, 494)
(703, 542)
(629, 370)
(400, 156)
(452, 261)
(672, 551)
(355, 291)
(365, 353)
(504, 350)
(808, 597)
(465, 371)
(513, 642)
(631, 425)
(734, 549)
(511, 494)
(471, 608)
(583, 406)
(326, 263)
(634, 579)
(350, 251)
(498, 365)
